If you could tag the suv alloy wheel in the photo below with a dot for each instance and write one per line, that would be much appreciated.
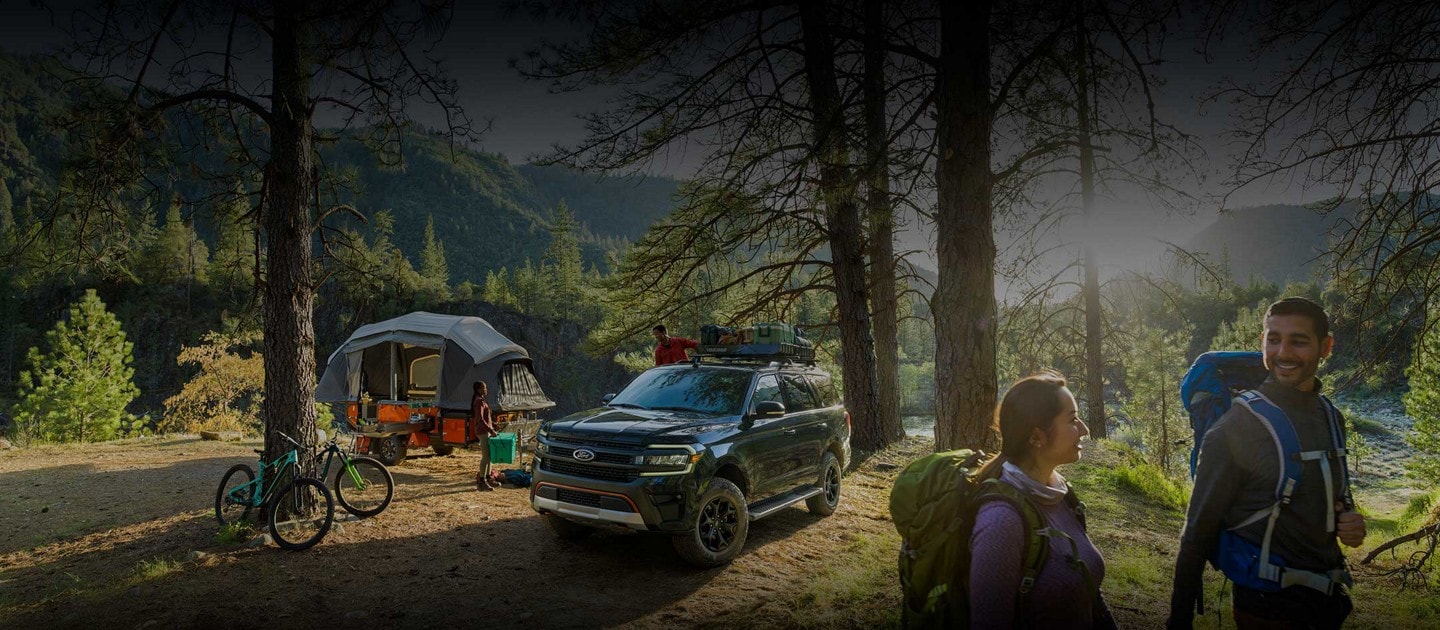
(719, 529)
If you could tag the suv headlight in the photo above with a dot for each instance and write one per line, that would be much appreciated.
(541, 447)
(681, 459)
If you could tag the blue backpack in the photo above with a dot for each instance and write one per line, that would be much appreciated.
(1213, 383)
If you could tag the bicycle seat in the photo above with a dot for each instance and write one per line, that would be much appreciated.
(259, 451)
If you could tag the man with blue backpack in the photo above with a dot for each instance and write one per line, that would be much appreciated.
(1272, 492)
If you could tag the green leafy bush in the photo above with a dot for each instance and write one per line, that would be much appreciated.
(1149, 481)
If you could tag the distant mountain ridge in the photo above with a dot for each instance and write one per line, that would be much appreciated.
(488, 212)
(1278, 243)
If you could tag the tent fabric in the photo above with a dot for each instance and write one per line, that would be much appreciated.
(470, 350)
(431, 330)
(519, 389)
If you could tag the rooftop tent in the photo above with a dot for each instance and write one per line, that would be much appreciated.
(427, 356)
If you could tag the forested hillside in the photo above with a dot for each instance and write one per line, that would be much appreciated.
(489, 213)
(184, 264)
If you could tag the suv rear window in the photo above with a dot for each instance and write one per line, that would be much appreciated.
(825, 387)
(797, 394)
(712, 392)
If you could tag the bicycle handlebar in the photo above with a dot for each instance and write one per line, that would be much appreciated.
(287, 438)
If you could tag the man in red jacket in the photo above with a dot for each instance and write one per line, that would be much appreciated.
(670, 349)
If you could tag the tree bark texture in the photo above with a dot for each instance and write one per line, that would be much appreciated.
(964, 301)
(289, 292)
(883, 294)
(842, 217)
(1094, 329)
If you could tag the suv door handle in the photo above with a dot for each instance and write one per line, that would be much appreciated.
(790, 431)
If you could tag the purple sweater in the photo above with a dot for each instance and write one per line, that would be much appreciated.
(1060, 597)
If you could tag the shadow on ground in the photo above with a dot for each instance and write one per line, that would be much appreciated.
(442, 554)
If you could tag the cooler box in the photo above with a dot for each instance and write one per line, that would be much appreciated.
(502, 449)
(774, 333)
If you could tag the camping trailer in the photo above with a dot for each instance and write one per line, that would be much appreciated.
(407, 382)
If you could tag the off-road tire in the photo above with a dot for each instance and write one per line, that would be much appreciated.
(278, 510)
(718, 528)
(378, 474)
(825, 503)
(390, 450)
(228, 481)
(566, 529)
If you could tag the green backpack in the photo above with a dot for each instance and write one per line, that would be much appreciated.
(933, 505)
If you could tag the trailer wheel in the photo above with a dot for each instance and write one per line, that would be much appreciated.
(391, 450)
(441, 449)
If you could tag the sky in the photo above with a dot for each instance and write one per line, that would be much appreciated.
(527, 119)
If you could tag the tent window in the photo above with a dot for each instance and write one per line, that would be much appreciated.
(424, 375)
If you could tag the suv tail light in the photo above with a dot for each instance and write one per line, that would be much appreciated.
(847, 422)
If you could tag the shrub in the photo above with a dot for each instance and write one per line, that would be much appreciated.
(227, 391)
(1147, 480)
(77, 390)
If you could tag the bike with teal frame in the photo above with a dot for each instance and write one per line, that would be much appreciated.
(300, 512)
(363, 485)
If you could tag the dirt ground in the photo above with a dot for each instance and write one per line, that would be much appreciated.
(106, 534)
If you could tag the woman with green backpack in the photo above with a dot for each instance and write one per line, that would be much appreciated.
(1031, 563)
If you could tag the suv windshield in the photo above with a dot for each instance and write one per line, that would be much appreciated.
(712, 392)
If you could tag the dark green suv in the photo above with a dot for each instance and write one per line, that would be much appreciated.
(698, 451)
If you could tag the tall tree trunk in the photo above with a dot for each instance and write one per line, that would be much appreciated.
(289, 294)
(842, 217)
(1094, 330)
(964, 301)
(882, 230)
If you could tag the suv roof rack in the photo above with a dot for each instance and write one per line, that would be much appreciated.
(755, 353)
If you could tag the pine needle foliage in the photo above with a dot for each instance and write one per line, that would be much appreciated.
(77, 389)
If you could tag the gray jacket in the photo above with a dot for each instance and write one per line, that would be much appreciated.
(1236, 477)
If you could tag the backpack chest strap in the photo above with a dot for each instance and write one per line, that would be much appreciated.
(1291, 458)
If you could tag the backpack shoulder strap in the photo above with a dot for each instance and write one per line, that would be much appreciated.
(1282, 432)
(1337, 437)
(1036, 550)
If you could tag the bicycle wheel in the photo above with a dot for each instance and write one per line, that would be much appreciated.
(301, 514)
(368, 491)
(234, 507)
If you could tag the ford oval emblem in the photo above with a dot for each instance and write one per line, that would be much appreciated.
(583, 455)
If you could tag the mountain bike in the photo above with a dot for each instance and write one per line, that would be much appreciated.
(363, 485)
(300, 512)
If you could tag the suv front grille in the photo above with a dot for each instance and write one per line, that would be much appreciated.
(588, 471)
(577, 497)
(608, 458)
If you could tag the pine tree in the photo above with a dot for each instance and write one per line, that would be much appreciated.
(1154, 363)
(7, 215)
(527, 287)
(497, 288)
(1423, 404)
(562, 257)
(77, 390)
(176, 255)
(1242, 333)
(434, 273)
(232, 269)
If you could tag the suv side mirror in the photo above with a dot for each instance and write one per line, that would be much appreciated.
(769, 409)
(607, 398)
